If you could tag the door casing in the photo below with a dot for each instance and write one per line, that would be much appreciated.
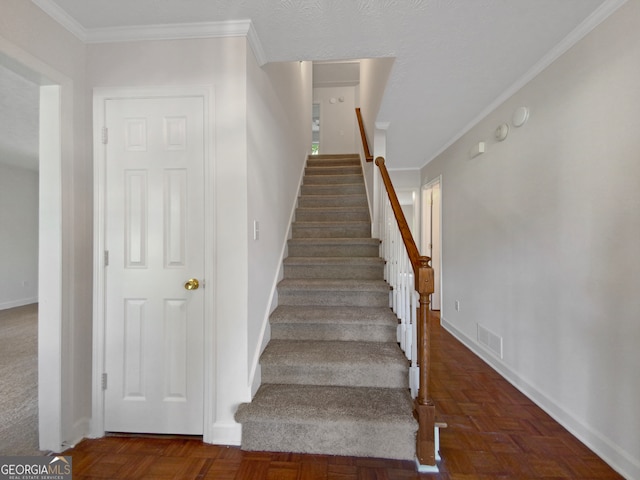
(428, 236)
(99, 99)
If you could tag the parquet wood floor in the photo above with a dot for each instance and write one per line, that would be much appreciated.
(494, 432)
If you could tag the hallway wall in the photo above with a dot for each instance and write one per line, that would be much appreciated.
(279, 139)
(540, 239)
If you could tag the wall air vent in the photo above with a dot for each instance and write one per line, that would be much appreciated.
(490, 341)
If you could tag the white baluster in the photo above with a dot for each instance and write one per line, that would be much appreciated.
(403, 299)
(414, 370)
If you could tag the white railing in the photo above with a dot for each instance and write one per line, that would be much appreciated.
(404, 300)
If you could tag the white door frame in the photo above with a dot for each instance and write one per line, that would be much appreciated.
(53, 360)
(100, 96)
(411, 196)
(425, 187)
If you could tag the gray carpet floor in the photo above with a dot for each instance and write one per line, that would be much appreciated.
(19, 381)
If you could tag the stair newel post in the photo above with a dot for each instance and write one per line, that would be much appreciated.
(424, 408)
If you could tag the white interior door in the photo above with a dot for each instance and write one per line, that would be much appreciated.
(155, 241)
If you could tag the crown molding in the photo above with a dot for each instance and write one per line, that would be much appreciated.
(178, 31)
(256, 45)
(63, 18)
(181, 31)
(592, 21)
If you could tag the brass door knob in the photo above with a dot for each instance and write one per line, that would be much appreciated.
(192, 284)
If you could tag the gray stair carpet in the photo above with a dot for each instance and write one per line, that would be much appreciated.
(334, 380)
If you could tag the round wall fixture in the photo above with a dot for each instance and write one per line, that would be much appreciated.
(501, 132)
(520, 116)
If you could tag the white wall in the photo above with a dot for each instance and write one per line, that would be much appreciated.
(279, 139)
(406, 183)
(405, 179)
(337, 120)
(374, 73)
(220, 63)
(18, 236)
(32, 40)
(540, 239)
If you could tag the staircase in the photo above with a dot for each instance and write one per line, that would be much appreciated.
(334, 380)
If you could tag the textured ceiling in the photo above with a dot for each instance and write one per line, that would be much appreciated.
(454, 58)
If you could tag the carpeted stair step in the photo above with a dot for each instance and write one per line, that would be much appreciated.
(333, 162)
(318, 201)
(332, 214)
(334, 247)
(339, 293)
(365, 268)
(352, 364)
(363, 422)
(333, 179)
(334, 189)
(334, 155)
(365, 324)
(333, 170)
(331, 229)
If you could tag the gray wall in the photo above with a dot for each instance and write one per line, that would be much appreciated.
(18, 236)
(337, 119)
(278, 141)
(541, 235)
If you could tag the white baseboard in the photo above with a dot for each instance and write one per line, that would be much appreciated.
(18, 303)
(81, 430)
(616, 456)
(225, 434)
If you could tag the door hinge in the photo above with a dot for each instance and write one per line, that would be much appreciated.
(106, 258)
(105, 135)
(104, 381)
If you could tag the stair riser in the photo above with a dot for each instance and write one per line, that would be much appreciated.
(331, 332)
(296, 250)
(346, 438)
(332, 179)
(338, 189)
(320, 201)
(334, 170)
(344, 215)
(378, 376)
(332, 298)
(359, 272)
(321, 231)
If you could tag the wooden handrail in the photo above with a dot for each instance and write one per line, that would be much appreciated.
(403, 226)
(424, 410)
(363, 135)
